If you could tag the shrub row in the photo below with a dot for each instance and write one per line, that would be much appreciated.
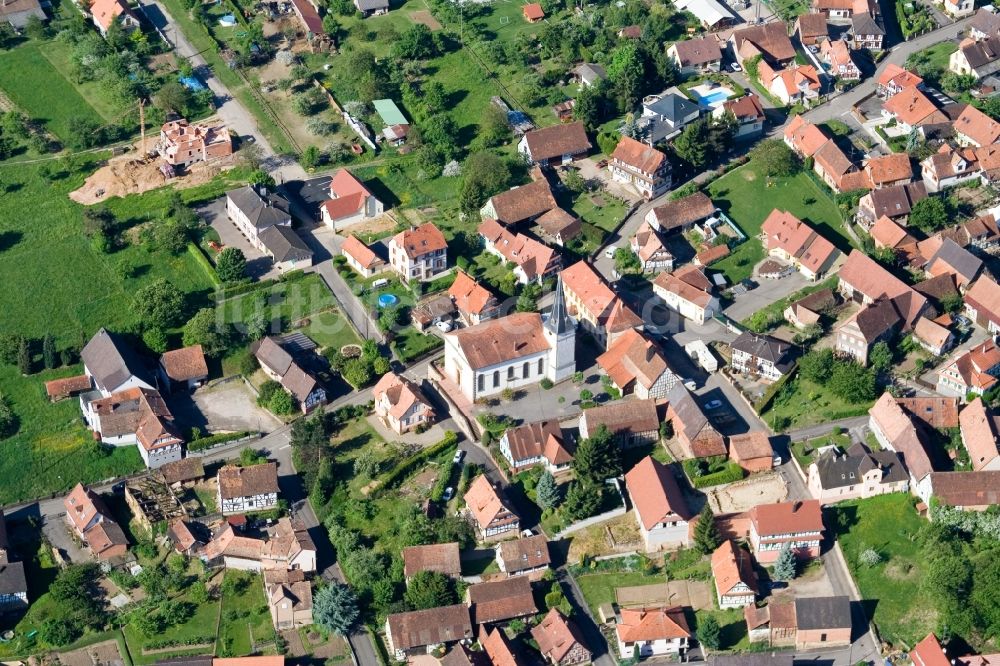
(733, 472)
(212, 440)
(247, 287)
(179, 642)
(405, 467)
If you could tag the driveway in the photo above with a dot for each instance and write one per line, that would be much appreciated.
(226, 407)
(259, 265)
(57, 533)
(767, 293)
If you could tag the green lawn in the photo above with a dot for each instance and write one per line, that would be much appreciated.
(808, 404)
(888, 524)
(330, 329)
(244, 615)
(200, 625)
(599, 588)
(748, 200)
(286, 302)
(733, 635)
(805, 451)
(606, 216)
(410, 344)
(32, 82)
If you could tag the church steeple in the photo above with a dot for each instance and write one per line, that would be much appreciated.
(559, 321)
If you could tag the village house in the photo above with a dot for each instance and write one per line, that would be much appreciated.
(499, 601)
(539, 443)
(522, 203)
(711, 14)
(752, 451)
(533, 261)
(642, 167)
(933, 335)
(593, 304)
(289, 596)
(953, 259)
(966, 491)
(975, 128)
(837, 54)
(985, 23)
(682, 214)
(949, 167)
(929, 652)
(556, 145)
(281, 367)
(262, 216)
(768, 40)
(419, 253)
(183, 144)
(803, 137)
(878, 322)
(372, 7)
(491, 513)
(361, 258)
(799, 524)
(696, 56)
(982, 232)
(512, 352)
(90, 520)
(893, 202)
(664, 115)
(135, 416)
(106, 13)
(809, 310)
(350, 202)
(287, 547)
(558, 226)
(16, 13)
(442, 558)
(973, 371)
(653, 254)
(183, 368)
(797, 84)
(525, 556)
(694, 432)
(418, 632)
(977, 58)
(894, 79)
(735, 580)
(183, 538)
(773, 624)
(560, 641)
(474, 302)
(979, 427)
(635, 365)
(13, 583)
(246, 489)
(822, 622)
(866, 32)
(982, 304)
(959, 8)
(841, 9)
(792, 240)
(494, 642)
(836, 169)
(588, 74)
(660, 508)
(631, 422)
(687, 291)
(762, 356)
(896, 430)
(112, 365)
(864, 281)
(749, 115)
(836, 476)
(886, 234)
(911, 108)
(650, 632)
(811, 29)
(888, 170)
(432, 310)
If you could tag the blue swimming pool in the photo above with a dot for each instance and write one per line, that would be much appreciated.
(712, 98)
(386, 300)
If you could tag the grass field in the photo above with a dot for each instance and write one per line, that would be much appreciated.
(599, 588)
(743, 195)
(245, 618)
(283, 303)
(891, 590)
(809, 404)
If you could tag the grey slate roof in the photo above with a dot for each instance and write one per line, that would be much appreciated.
(111, 361)
(763, 346)
(12, 580)
(590, 72)
(823, 612)
(371, 5)
(263, 207)
(284, 244)
(693, 420)
(864, 24)
(762, 659)
(896, 201)
(837, 470)
(673, 107)
(964, 262)
(986, 21)
(982, 53)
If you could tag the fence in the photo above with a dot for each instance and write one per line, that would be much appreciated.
(215, 447)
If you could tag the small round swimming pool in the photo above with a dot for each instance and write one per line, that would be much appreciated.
(385, 300)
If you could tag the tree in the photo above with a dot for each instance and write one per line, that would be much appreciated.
(331, 25)
(8, 419)
(429, 589)
(483, 175)
(35, 28)
(547, 492)
(626, 261)
(49, 351)
(706, 535)
(174, 97)
(817, 366)
(692, 145)
(774, 159)
(198, 592)
(929, 214)
(259, 176)
(416, 43)
(494, 130)
(709, 632)
(24, 357)
(785, 565)
(155, 339)
(880, 356)
(159, 304)
(281, 403)
(10, 343)
(597, 457)
(310, 157)
(357, 372)
(852, 382)
(204, 329)
(625, 72)
(231, 265)
(436, 98)
(582, 500)
(527, 301)
(58, 632)
(335, 608)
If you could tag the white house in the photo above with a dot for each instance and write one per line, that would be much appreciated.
(244, 489)
(350, 202)
(660, 508)
(687, 291)
(761, 355)
(735, 581)
(651, 632)
(419, 253)
(540, 443)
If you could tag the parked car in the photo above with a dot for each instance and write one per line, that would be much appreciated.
(713, 404)
(609, 251)
(735, 66)
(449, 492)
(690, 384)
(458, 456)
(443, 326)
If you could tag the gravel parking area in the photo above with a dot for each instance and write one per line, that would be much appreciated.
(767, 488)
(229, 406)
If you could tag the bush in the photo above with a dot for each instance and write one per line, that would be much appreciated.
(546, 383)
(403, 468)
(212, 440)
(732, 472)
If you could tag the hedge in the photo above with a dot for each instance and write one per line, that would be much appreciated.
(202, 260)
(247, 287)
(405, 467)
(212, 440)
(733, 472)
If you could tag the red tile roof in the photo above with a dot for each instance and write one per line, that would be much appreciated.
(185, 364)
(502, 340)
(655, 493)
(360, 252)
(533, 11)
(468, 294)
(976, 125)
(804, 136)
(638, 155)
(787, 517)
(556, 636)
(979, 433)
(439, 557)
(731, 566)
(912, 107)
(928, 652)
(652, 624)
(418, 242)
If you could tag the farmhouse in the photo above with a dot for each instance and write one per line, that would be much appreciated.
(183, 368)
(88, 516)
(682, 214)
(491, 513)
(536, 443)
(501, 600)
(522, 203)
(560, 641)
(556, 145)
(979, 427)
(972, 371)
(644, 168)
(896, 430)
(631, 422)
(243, 489)
(694, 432)
(687, 291)
(653, 255)
(799, 524)
(524, 556)
(735, 580)
(533, 261)
(660, 508)
(440, 558)
(636, 365)
(761, 355)
(648, 632)
(982, 304)
(281, 367)
(837, 476)
(424, 629)
(135, 416)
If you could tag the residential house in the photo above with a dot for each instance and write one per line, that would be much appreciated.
(135, 416)
(651, 632)
(949, 167)
(981, 232)
(13, 583)
(246, 489)
(893, 202)
(762, 356)
(799, 524)
(812, 28)
(640, 166)
(735, 580)
(593, 304)
(858, 473)
(560, 641)
(933, 336)
(711, 14)
(841, 9)
(183, 539)
(696, 56)
(532, 12)
(822, 622)
(982, 304)
(512, 352)
(894, 79)
(497, 647)
(975, 128)
(521, 203)
(286, 248)
(804, 137)
(588, 74)
(682, 214)
(499, 601)
(262, 217)
(492, 515)
(977, 58)
(687, 291)
(112, 365)
(967, 491)
(797, 84)
(959, 8)
(888, 170)
(866, 32)
(183, 368)
(556, 145)
(475, 303)
(696, 435)
(665, 115)
(432, 310)
(525, 556)
(419, 253)
(372, 7)
(973, 371)
(878, 322)
(289, 599)
(558, 226)
(952, 259)
(660, 508)
(106, 13)
(183, 144)
(749, 115)
(938, 291)
(896, 430)
(979, 428)
(350, 202)
(768, 40)
(539, 443)
(864, 281)
(281, 367)
(17, 12)
(837, 55)
(361, 258)
(836, 169)
(533, 261)
(90, 520)
(631, 422)
(287, 547)
(911, 108)
(809, 310)
(773, 624)
(417, 632)
(886, 234)
(792, 240)
(635, 365)
(985, 23)
(442, 558)
(653, 254)
(401, 404)
(752, 451)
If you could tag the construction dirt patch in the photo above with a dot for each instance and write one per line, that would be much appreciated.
(373, 227)
(99, 654)
(693, 593)
(768, 488)
(128, 174)
(423, 16)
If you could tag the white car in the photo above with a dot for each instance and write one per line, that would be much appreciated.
(449, 492)
(690, 385)
(609, 252)
(735, 66)
(458, 456)
(443, 326)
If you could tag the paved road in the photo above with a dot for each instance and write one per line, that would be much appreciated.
(809, 432)
(229, 108)
(587, 624)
